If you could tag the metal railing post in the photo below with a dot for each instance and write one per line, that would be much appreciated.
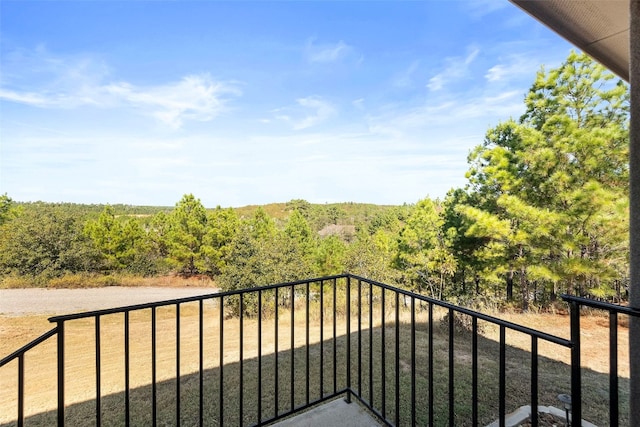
(259, 358)
(154, 368)
(61, 373)
(98, 374)
(306, 344)
(576, 380)
(127, 395)
(534, 381)
(321, 339)
(397, 360)
(452, 412)
(474, 372)
(613, 368)
(371, 344)
(430, 385)
(241, 357)
(348, 320)
(502, 394)
(276, 380)
(177, 366)
(413, 361)
(293, 350)
(21, 390)
(383, 349)
(221, 360)
(359, 338)
(200, 363)
(335, 356)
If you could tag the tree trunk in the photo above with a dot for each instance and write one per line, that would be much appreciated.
(464, 283)
(510, 285)
(524, 287)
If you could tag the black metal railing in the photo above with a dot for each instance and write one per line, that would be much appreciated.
(20, 356)
(263, 354)
(411, 307)
(576, 304)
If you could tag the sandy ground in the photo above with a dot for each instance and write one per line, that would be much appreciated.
(19, 302)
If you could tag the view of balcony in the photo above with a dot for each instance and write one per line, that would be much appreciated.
(256, 356)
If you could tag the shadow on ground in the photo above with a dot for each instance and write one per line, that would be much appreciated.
(369, 382)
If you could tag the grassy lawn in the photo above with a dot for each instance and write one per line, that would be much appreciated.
(80, 391)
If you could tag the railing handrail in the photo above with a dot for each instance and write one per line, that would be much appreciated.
(495, 320)
(603, 305)
(572, 343)
(28, 346)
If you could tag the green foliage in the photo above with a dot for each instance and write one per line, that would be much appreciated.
(190, 239)
(45, 242)
(546, 196)
(330, 256)
(371, 256)
(261, 225)
(302, 206)
(222, 227)
(299, 233)
(119, 242)
(424, 250)
(186, 234)
(259, 258)
(6, 205)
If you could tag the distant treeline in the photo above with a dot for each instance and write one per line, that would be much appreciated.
(544, 212)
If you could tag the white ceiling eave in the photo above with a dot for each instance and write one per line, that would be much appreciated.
(599, 28)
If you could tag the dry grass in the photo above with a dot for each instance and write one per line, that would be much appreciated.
(80, 366)
(594, 335)
(77, 281)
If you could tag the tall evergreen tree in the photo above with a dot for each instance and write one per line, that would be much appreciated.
(539, 189)
(118, 242)
(5, 208)
(186, 234)
(424, 250)
(222, 227)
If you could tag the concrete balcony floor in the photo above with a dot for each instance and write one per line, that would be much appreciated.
(335, 413)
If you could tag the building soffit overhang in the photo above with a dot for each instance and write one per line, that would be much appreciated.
(599, 28)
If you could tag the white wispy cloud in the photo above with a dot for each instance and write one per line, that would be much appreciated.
(194, 97)
(512, 67)
(478, 9)
(310, 111)
(471, 115)
(65, 83)
(39, 78)
(455, 68)
(405, 78)
(326, 53)
(358, 103)
(30, 98)
(320, 111)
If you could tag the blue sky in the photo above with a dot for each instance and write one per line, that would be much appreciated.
(140, 102)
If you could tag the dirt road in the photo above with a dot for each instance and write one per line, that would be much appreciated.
(18, 302)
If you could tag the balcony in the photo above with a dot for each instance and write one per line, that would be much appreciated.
(263, 355)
